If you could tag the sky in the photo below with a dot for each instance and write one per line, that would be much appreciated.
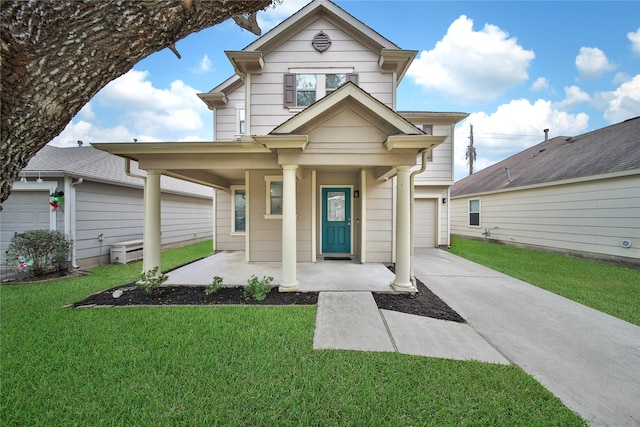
(516, 67)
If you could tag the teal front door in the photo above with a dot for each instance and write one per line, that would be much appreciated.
(336, 220)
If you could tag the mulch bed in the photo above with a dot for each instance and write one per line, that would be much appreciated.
(424, 303)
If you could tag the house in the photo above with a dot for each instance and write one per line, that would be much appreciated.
(575, 195)
(310, 157)
(100, 204)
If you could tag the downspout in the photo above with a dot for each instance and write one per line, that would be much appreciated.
(72, 219)
(412, 190)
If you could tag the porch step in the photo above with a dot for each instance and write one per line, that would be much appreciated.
(350, 321)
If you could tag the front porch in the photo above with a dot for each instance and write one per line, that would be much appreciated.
(313, 277)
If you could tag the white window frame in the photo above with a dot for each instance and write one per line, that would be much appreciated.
(268, 180)
(479, 212)
(321, 81)
(240, 121)
(235, 188)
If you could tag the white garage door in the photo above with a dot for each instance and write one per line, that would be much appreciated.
(425, 223)
(23, 210)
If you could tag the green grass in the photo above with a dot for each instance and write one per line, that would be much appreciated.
(229, 366)
(607, 288)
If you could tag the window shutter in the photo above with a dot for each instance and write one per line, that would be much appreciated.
(353, 78)
(289, 90)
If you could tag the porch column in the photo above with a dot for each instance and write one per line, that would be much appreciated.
(402, 282)
(151, 249)
(289, 280)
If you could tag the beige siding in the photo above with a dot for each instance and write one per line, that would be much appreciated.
(379, 226)
(267, 109)
(225, 241)
(266, 233)
(226, 122)
(592, 217)
(440, 170)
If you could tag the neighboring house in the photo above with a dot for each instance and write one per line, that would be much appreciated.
(310, 154)
(576, 195)
(100, 200)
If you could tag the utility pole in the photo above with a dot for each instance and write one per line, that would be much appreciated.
(471, 151)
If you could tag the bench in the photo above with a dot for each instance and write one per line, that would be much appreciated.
(126, 252)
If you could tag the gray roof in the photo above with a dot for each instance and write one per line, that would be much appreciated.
(611, 149)
(97, 165)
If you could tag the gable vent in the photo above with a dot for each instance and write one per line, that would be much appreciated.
(321, 42)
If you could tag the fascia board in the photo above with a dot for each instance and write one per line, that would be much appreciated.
(413, 142)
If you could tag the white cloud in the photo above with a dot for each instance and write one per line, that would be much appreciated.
(131, 107)
(635, 41)
(573, 96)
(272, 16)
(622, 103)
(540, 84)
(591, 62)
(90, 132)
(472, 66)
(512, 128)
(204, 65)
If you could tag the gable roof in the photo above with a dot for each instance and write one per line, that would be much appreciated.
(345, 93)
(614, 148)
(392, 57)
(96, 165)
(309, 13)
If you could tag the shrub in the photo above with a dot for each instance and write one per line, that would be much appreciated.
(214, 286)
(151, 280)
(257, 289)
(44, 250)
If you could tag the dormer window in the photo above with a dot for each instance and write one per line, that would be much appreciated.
(303, 89)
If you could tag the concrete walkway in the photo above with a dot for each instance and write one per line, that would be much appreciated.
(352, 321)
(590, 360)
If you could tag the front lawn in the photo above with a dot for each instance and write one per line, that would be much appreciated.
(223, 365)
(610, 289)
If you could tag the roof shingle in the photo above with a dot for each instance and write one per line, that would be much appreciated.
(610, 149)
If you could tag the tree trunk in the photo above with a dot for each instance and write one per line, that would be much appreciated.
(57, 54)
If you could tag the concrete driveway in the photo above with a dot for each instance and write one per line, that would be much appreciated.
(590, 360)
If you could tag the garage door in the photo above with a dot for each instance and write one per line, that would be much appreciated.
(23, 210)
(425, 223)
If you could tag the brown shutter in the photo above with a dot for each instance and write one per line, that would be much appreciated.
(353, 78)
(289, 90)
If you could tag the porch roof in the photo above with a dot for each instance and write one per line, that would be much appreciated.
(395, 141)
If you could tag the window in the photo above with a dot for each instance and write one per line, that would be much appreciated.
(238, 210)
(474, 212)
(273, 196)
(240, 121)
(306, 85)
(303, 89)
(334, 81)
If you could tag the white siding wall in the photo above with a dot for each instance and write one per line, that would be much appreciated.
(226, 122)
(379, 227)
(118, 212)
(267, 110)
(592, 217)
(441, 169)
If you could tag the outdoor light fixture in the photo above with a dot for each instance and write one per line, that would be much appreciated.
(39, 180)
(24, 178)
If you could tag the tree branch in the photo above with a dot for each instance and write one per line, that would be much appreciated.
(57, 54)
